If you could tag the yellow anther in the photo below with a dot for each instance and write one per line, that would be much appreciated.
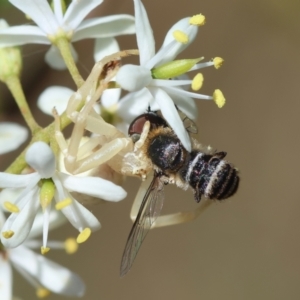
(83, 235)
(11, 207)
(219, 98)
(62, 204)
(45, 250)
(198, 20)
(42, 293)
(197, 82)
(47, 192)
(71, 246)
(180, 37)
(7, 234)
(218, 62)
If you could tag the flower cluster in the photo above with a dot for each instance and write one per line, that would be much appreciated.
(50, 180)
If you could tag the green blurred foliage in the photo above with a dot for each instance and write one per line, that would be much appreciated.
(4, 3)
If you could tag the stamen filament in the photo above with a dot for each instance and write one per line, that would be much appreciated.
(202, 65)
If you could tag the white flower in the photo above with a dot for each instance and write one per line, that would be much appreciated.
(71, 24)
(38, 189)
(161, 93)
(45, 275)
(12, 135)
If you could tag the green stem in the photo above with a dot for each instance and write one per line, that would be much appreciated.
(15, 87)
(64, 47)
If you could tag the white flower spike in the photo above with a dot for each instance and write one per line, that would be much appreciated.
(40, 187)
(71, 24)
(12, 136)
(149, 82)
(45, 275)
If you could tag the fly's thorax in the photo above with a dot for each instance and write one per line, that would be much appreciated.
(165, 149)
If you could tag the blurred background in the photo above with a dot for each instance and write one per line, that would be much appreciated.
(246, 247)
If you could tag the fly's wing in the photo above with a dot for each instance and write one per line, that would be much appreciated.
(150, 209)
(189, 124)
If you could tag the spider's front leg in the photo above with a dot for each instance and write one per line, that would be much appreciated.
(95, 150)
(135, 163)
(80, 111)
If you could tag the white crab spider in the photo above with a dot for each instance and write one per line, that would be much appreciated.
(108, 146)
(107, 142)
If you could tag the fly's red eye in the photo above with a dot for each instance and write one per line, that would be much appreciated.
(136, 126)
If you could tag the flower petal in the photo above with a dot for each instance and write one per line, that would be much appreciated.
(3, 24)
(2, 218)
(21, 35)
(58, 11)
(5, 279)
(54, 96)
(51, 275)
(17, 181)
(54, 59)
(135, 104)
(40, 12)
(110, 98)
(95, 186)
(108, 26)
(9, 194)
(104, 47)
(133, 78)
(170, 113)
(20, 223)
(77, 11)
(182, 25)
(76, 213)
(80, 217)
(41, 158)
(144, 33)
(186, 104)
(12, 135)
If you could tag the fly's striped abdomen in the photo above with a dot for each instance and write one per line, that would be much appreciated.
(210, 175)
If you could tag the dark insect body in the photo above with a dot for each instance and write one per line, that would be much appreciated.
(209, 175)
